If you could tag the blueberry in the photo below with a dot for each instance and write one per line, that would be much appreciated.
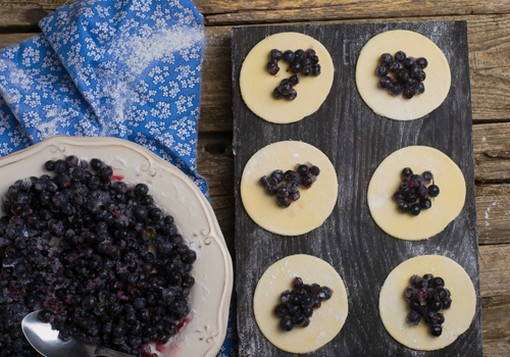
(316, 69)
(385, 82)
(294, 196)
(420, 88)
(409, 62)
(275, 54)
(286, 324)
(309, 53)
(291, 176)
(422, 62)
(438, 282)
(415, 209)
(141, 189)
(386, 58)
(394, 67)
(277, 94)
(272, 68)
(413, 317)
(277, 176)
(307, 70)
(446, 303)
(282, 192)
(292, 95)
(280, 310)
(425, 203)
(288, 56)
(403, 206)
(299, 54)
(296, 67)
(293, 80)
(284, 201)
(302, 170)
(381, 70)
(314, 170)
(436, 330)
(409, 92)
(396, 89)
(427, 176)
(433, 190)
(49, 165)
(285, 88)
(403, 75)
(400, 56)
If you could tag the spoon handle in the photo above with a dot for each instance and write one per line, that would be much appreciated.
(106, 352)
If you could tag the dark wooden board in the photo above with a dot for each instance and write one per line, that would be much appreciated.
(356, 140)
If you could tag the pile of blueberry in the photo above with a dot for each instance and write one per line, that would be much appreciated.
(98, 257)
(415, 191)
(400, 74)
(426, 297)
(301, 62)
(285, 186)
(296, 306)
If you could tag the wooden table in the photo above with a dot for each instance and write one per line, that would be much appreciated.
(489, 45)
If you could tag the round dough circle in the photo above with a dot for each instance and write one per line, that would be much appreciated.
(257, 85)
(326, 322)
(437, 83)
(303, 215)
(445, 207)
(393, 308)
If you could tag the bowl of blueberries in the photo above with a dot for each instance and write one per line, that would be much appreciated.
(113, 246)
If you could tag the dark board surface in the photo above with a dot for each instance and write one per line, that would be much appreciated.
(356, 141)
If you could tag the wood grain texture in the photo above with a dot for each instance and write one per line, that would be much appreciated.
(357, 141)
(269, 11)
(496, 326)
(489, 46)
(29, 12)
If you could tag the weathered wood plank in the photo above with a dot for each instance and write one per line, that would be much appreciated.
(492, 152)
(260, 11)
(494, 272)
(489, 44)
(357, 141)
(493, 213)
(496, 326)
(28, 12)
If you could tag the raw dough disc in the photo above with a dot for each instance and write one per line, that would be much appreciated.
(393, 308)
(257, 84)
(445, 207)
(326, 322)
(303, 215)
(437, 84)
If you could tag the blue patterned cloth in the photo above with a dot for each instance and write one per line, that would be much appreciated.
(123, 68)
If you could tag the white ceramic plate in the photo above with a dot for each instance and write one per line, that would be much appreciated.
(177, 195)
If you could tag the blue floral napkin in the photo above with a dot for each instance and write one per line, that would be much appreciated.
(123, 68)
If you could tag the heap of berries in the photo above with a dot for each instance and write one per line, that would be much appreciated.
(103, 263)
(285, 186)
(301, 62)
(415, 191)
(426, 297)
(400, 74)
(296, 306)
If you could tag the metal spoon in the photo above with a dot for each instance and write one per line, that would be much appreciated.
(45, 341)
